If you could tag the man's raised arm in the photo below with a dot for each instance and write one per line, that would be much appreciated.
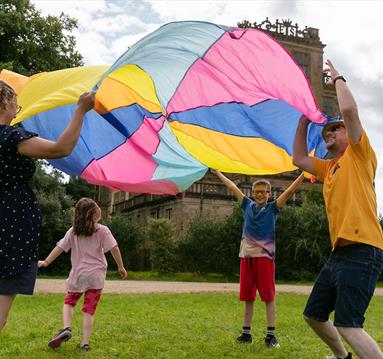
(347, 104)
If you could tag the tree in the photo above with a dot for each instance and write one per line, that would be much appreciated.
(163, 248)
(228, 249)
(56, 207)
(130, 238)
(313, 195)
(31, 43)
(198, 248)
(302, 240)
(78, 188)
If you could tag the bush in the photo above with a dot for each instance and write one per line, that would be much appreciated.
(163, 248)
(302, 239)
(56, 220)
(197, 250)
(212, 246)
(130, 239)
(228, 247)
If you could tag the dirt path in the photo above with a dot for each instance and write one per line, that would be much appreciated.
(44, 286)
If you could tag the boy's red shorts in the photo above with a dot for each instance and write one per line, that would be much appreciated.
(91, 299)
(257, 274)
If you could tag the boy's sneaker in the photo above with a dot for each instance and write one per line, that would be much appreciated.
(245, 339)
(271, 341)
(85, 347)
(62, 336)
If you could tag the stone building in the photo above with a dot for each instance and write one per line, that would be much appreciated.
(209, 197)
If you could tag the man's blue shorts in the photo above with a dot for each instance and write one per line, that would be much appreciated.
(345, 285)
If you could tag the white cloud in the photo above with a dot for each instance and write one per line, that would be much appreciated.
(94, 49)
(188, 10)
(80, 9)
(120, 45)
(118, 24)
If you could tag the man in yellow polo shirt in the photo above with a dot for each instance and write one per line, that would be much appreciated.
(347, 281)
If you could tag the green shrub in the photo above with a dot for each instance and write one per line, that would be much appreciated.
(302, 239)
(197, 250)
(163, 248)
(212, 246)
(130, 239)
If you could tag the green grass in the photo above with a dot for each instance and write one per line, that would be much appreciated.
(177, 277)
(166, 326)
(154, 276)
(185, 277)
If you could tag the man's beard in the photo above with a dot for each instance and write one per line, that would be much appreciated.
(330, 146)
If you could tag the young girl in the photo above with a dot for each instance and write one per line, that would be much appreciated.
(88, 241)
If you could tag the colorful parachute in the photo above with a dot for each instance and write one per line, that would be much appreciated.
(189, 96)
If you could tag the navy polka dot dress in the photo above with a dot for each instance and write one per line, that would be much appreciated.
(20, 216)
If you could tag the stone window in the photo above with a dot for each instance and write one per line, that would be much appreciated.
(303, 61)
(155, 213)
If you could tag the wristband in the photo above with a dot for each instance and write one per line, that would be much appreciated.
(339, 77)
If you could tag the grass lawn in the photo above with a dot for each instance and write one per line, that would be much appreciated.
(173, 326)
(184, 277)
(176, 277)
(167, 277)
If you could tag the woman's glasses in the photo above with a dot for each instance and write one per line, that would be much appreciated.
(18, 108)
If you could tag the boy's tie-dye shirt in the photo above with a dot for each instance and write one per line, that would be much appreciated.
(258, 234)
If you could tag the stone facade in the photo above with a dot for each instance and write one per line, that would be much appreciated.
(209, 197)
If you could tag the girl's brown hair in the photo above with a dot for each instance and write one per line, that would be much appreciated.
(84, 215)
(7, 95)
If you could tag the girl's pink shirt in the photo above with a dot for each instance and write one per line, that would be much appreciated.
(87, 257)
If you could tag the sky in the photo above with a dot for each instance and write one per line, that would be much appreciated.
(351, 31)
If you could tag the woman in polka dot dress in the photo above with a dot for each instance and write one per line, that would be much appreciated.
(20, 216)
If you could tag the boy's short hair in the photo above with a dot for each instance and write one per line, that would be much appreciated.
(261, 181)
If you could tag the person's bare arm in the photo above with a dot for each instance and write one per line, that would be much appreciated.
(347, 105)
(230, 185)
(301, 158)
(282, 199)
(115, 251)
(42, 148)
(51, 257)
